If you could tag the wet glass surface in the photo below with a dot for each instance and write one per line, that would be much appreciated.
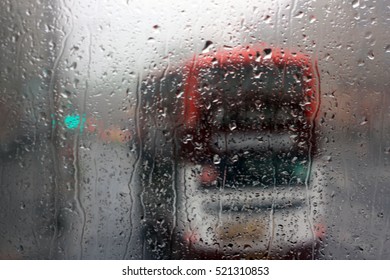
(197, 130)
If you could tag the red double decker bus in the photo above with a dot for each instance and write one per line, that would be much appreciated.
(242, 142)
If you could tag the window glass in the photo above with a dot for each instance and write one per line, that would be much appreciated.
(196, 130)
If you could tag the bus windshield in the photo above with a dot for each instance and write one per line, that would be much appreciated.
(253, 118)
(252, 97)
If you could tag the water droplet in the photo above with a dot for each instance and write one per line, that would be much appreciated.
(267, 18)
(66, 94)
(370, 55)
(20, 248)
(217, 159)
(46, 73)
(179, 94)
(73, 66)
(299, 14)
(76, 82)
(368, 35)
(232, 126)
(207, 46)
(355, 3)
(187, 138)
(268, 53)
(74, 49)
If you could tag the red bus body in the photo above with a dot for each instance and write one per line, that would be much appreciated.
(237, 194)
(242, 56)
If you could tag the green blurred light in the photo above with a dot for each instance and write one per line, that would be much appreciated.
(72, 121)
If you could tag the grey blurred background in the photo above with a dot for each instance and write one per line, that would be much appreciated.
(68, 193)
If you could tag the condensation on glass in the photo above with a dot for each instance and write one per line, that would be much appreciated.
(210, 130)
